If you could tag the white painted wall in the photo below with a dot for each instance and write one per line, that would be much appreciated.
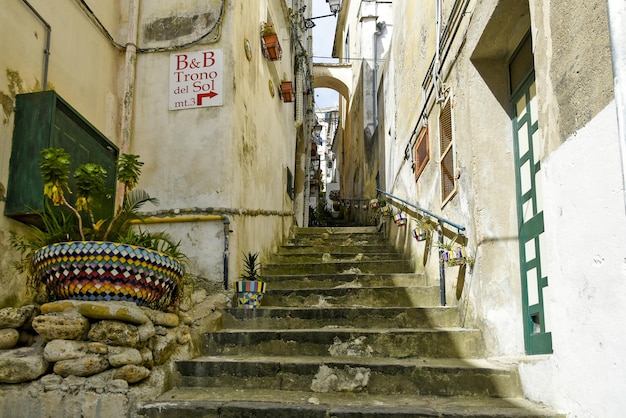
(585, 228)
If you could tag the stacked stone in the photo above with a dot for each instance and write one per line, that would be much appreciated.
(83, 339)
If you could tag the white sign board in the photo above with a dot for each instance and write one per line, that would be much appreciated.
(196, 79)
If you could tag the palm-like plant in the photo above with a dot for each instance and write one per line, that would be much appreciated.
(251, 267)
(89, 179)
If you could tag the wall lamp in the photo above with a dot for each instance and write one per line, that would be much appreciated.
(335, 7)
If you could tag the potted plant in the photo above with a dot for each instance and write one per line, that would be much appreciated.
(400, 218)
(423, 229)
(454, 254)
(385, 210)
(75, 256)
(287, 94)
(269, 42)
(251, 288)
(335, 198)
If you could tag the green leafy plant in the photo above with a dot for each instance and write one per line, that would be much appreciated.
(63, 221)
(251, 267)
(455, 254)
(267, 29)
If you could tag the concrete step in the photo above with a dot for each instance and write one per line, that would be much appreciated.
(400, 343)
(333, 267)
(426, 296)
(356, 317)
(328, 257)
(437, 377)
(383, 248)
(356, 279)
(211, 402)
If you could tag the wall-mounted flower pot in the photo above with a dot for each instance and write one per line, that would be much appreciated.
(420, 234)
(286, 91)
(455, 257)
(400, 219)
(271, 47)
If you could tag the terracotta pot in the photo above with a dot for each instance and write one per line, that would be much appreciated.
(271, 47)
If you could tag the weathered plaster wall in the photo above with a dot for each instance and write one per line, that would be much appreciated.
(233, 157)
(230, 156)
(582, 191)
(83, 69)
(585, 226)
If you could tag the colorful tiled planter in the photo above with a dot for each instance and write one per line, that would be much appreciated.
(108, 271)
(250, 293)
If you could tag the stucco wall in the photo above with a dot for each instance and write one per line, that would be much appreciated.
(231, 158)
(582, 192)
(83, 68)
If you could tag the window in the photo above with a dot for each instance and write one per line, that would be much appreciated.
(421, 152)
(446, 147)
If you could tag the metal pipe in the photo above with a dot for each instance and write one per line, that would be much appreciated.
(227, 232)
(617, 32)
(424, 211)
(380, 26)
(46, 51)
(200, 218)
(442, 270)
(130, 64)
(437, 47)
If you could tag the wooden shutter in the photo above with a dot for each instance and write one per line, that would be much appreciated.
(446, 147)
(421, 152)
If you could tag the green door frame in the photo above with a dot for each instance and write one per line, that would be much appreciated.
(530, 218)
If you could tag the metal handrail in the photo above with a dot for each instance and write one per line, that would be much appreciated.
(424, 211)
(442, 273)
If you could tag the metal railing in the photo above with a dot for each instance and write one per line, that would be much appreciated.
(424, 212)
(440, 231)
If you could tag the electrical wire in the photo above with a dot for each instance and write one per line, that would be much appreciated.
(92, 16)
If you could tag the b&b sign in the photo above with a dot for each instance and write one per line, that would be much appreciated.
(196, 79)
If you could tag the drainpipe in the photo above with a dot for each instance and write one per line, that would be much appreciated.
(46, 51)
(227, 232)
(617, 31)
(380, 27)
(130, 67)
(437, 42)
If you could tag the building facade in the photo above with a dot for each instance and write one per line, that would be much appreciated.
(500, 116)
(194, 91)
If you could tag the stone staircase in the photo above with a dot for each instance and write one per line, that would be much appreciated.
(346, 330)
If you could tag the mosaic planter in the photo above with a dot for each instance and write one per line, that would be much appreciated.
(249, 293)
(108, 271)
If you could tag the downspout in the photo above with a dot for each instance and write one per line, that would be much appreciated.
(380, 26)
(617, 31)
(130, 67)
(437, 42)
(46, 52)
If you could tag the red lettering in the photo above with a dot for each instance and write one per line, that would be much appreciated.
(181, 62)
(209, 61)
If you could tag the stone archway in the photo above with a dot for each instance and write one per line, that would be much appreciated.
(333, 76)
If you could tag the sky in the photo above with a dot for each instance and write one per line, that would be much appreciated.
(323, 38)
